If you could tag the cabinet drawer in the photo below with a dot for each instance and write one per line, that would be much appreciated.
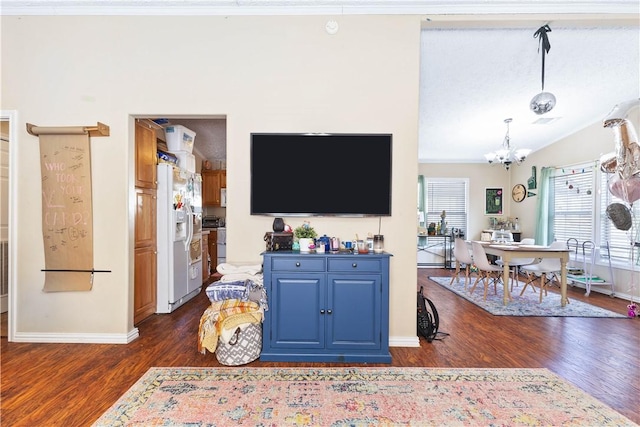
(297, 264)
(358, 263)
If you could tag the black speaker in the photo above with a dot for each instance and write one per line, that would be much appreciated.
(278, 225)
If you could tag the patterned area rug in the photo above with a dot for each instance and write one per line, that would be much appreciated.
(526, 305)
(356, 397)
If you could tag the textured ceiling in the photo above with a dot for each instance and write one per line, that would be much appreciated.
(211, 136)
(472, 79)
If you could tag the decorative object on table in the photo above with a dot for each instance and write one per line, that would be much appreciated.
(526, 305)
(335, 244)
(305, 235)
(324, 241)
(278, 225)
(431, 229)
(357, 396)
(518, 193)
(493, 201)
(378, 243)
(507, 155)
(544, 101)
(278, 241)
(443, 222)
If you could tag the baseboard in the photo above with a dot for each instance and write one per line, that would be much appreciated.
(404, 341)
(76, 338)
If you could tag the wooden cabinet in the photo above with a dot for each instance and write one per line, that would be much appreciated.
(145, 256)
(146, 150)
(205, 257)
(145, 283)
(145, 223)
(213, 249)
(212, 182)
(326, 308)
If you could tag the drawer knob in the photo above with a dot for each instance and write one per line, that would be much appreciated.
(329, 311)
(297, 264)
(322, 311)
(354, 265)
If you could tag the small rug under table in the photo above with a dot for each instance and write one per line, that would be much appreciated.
(351, 396)
(526, 305)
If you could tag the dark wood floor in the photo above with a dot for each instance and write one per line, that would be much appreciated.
(73, 384)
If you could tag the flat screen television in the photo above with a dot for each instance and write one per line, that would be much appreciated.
(321, 174)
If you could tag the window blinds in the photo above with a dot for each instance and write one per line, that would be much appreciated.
(573, 204)
(449, 196)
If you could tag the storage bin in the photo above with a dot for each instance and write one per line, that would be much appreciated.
(179, 138)
(186, 161)
(244, 347)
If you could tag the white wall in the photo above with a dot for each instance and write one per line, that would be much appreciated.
(265, 74)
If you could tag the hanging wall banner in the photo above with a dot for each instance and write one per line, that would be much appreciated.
(67, 215)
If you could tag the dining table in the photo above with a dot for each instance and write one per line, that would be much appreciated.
(512, 250)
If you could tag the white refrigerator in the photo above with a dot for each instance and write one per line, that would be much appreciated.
(179, 223)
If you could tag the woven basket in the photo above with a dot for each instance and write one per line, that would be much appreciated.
(242, 348)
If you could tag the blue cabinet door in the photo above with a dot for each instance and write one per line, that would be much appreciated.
(353, 311)
(297, 306)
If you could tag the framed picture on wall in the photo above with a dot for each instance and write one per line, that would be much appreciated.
(493, 201)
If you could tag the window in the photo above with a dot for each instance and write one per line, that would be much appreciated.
(573, 204)
(580, 201)
(449, 195)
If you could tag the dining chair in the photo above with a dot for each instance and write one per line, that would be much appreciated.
(547, 269)
(463, 257)
(487, 273)
(516, 263)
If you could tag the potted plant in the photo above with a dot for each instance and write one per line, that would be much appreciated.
(305, 235)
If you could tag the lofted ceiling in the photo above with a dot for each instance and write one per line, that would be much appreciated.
(474, 78)
(480, 63)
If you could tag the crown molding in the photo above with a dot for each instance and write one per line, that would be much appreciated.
(314, 7)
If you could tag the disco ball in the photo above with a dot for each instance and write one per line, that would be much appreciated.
(543, 103)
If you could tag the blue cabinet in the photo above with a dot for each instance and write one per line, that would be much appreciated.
(326, 307)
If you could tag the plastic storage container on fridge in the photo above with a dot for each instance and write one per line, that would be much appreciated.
(179, 138)
(186, 161)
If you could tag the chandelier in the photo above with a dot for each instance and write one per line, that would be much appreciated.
(507, 155)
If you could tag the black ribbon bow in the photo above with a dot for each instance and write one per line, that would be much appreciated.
(543, 40)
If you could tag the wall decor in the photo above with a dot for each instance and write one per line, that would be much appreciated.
(493, 201)
(531, 182)
(67, 205)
